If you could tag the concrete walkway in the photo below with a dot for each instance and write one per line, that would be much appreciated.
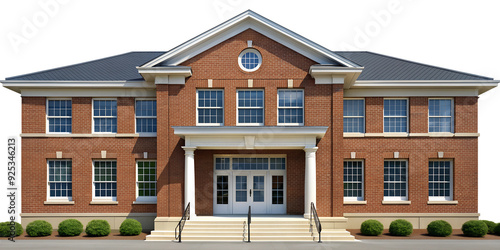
(366, 244)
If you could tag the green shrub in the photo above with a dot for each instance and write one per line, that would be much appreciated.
(70, 227)
(491, 226)
(401, 228)
(497, 229)
(439, 228)
(372, 228)
(39, 228)
(130, 227)
(474, 228)
(98, 228)
(5, 229)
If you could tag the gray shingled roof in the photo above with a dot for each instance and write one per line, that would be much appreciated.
(115, 68)
(123, 68)
(382, 67)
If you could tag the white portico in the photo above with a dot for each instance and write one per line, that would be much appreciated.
(253, 138)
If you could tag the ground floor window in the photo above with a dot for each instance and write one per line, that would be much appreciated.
(395, 180)
(353, 180)
(105, 180)
(60, 179)
(440, 180)
(146, 181)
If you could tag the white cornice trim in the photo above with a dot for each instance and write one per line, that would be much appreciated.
(239, 23)
(18, 86)
(165, 75)
(319, 132)
(440, 135)
(327, 74)
(480, 85)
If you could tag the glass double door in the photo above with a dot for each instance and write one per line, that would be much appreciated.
(249, 190)
(264, 191)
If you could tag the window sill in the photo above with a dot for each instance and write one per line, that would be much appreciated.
(143, 202)
(439, 135)
(104, 203)
(354, 135)
(55, 202)
(442, 202)
(396, 202)
(355, 202)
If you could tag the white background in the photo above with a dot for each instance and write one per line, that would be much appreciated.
(461, 35)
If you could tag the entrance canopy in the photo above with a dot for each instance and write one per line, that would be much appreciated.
(269, 137)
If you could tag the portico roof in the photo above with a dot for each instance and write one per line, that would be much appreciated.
(268, 137)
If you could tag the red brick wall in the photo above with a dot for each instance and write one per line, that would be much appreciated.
(33, 115)
(82, 151)
(323, 107)
(418, 152)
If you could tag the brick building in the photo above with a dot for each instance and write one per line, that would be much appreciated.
(250, 113)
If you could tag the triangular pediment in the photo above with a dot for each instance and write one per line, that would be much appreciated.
(240, 23)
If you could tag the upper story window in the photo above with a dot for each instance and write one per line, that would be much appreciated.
(441, 115)
(291, 107)
(104, 115)
(58, 116)
(210, 107)
(145, 116)
(395, 115)
(395, 180)
(250, 107)
(250, 60)
(440, 180)
(354, 116)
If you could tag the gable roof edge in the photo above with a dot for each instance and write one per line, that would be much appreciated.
(262, 20)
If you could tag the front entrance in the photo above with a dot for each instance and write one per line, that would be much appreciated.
(258, 181)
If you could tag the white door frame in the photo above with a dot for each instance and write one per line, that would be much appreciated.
(229, 208)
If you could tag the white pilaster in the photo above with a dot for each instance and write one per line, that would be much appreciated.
(310, 179)
(189, 186)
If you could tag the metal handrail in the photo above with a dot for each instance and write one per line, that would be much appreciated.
(317, 222)
(249, 221)
(180, 225)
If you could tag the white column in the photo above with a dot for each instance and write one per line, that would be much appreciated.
(310, 180)
(189, 186)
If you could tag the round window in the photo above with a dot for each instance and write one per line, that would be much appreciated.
(249, 60)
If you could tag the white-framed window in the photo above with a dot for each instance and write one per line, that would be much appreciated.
(250, 60)
(104, 180)
(59, 185)
(395, 180)
(395, 115)
(291, 107)
(354, 115)
(145, 116)
(440, 115)
(59, 115)
(146, 181)
(250, 106)
(440, 180)
(210, 107)
(353, 180)
(104, 115)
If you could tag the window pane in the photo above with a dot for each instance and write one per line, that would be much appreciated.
(290, 106)
(59, 116)
(60, 178)
(353, 179)
(146, 178)
(395, 179)
(395, 115)
(440, 179)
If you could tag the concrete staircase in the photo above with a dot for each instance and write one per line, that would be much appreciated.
(262, 229)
